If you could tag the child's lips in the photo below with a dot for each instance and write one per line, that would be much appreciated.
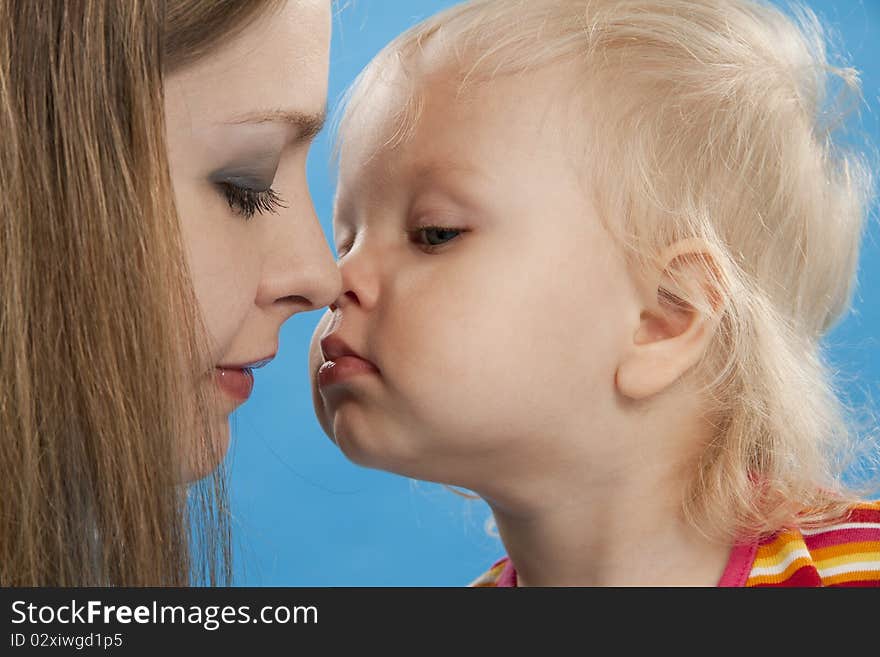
(343, 369)
(341, 362)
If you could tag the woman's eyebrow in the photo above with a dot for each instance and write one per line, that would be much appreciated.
(306, 124)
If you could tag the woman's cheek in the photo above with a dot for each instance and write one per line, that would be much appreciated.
(225, 301)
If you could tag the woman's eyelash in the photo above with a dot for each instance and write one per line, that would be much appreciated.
(342, 250)
(248, 202)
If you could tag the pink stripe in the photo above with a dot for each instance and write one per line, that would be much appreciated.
(507, 578)
(841, 536)
(739, 565)
(870, 514)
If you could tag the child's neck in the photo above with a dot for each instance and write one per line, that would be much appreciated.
(626, 531)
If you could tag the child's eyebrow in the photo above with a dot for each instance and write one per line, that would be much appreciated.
(440, 167)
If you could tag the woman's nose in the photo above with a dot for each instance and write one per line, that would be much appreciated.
(299, 272)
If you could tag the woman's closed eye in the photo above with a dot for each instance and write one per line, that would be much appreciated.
(248, 202)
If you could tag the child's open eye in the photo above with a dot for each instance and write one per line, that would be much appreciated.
(434, 236)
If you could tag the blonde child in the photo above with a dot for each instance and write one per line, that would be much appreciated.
(589, 250)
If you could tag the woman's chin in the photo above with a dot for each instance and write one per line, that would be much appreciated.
(204, 460)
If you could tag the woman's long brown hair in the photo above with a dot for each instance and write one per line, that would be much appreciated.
(101, 342)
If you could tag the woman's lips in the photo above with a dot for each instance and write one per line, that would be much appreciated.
(235, 382)
(342, 369)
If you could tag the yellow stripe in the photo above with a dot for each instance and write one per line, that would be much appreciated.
(778, 555)
(777, 543)
(489, 578)
(781, 577)
(855, 557)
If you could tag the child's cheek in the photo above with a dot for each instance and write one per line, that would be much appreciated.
(316, 359)
(459, 342)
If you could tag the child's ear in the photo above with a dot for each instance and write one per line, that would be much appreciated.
(672, 333)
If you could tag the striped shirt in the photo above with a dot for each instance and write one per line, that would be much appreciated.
(846, 553)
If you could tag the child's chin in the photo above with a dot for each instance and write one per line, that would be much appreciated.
(379, 453)
(350, 448)
(359, 450)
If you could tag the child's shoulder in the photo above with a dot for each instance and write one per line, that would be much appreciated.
(842, 553)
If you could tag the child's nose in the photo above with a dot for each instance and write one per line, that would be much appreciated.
(360, 279)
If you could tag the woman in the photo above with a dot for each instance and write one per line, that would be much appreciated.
(155, 232)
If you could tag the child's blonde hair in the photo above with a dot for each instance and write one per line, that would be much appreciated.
(713, 122)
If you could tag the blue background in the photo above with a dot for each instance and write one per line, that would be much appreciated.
(304, 516)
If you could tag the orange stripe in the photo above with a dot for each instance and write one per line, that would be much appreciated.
(843, 549)
(777, 544)
(854, 576)
(868, 506)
